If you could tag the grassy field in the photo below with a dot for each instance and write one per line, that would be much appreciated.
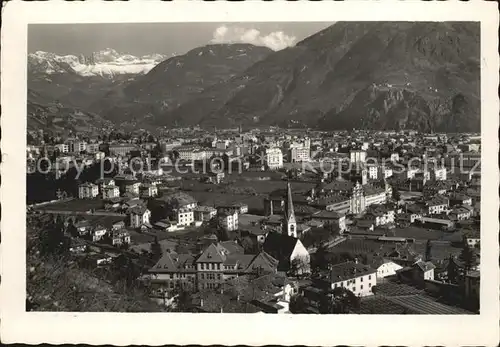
(77, 205)
(409, 195)
(266, 187)
(146, 246)
(419, 233)
(439, 251)
(254, 202)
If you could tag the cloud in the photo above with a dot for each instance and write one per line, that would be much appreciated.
(276, 40)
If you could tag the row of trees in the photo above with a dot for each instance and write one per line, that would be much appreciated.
(454, 272)
(337, 301)
(318, 236)
(467, 258)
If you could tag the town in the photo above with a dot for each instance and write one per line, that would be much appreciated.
(249, 220)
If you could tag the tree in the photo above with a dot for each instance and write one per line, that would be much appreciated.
(125, 270)
(452, 270)
(156, 250)
(316, 237)
(181, 248)
(52, 240)
(467, 257)
(345, 300)
(249, 245)
(396, 195)
(339, 300)
(297, 304)
(299, 267)
(319, 259)
(174, 156)
(182, 300)
(71, 229)
(157, 152)
(334, 229)
(428, 251)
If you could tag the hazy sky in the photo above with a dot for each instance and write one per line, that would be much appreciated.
(165, 38)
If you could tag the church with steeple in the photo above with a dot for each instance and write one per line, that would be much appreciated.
(289, 221)
(283, 243)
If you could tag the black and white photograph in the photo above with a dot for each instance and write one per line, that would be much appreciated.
(310, 168)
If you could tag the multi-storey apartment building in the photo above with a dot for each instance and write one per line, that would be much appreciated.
(62, 147)
(438, 174)
(358, 278)
(373, 171)
(138, 216)
(110, 192)
(204, 213)
(185, 217)
(148, 190)
(104, 182)
(300, 154)
(437, 205)
(273, 158)
(229, 219)
(88, 191)
(209, 269)
(76, 146)
(132, 187)
(92, 148)
(357, 156)
(121, 149)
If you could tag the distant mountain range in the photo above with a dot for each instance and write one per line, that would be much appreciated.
(356, 75)
(380, 75)
(178, 80)
(107, 63)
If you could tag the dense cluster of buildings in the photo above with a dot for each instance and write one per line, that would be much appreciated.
(376, 187)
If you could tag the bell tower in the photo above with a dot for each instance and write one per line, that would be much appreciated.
(357, 199)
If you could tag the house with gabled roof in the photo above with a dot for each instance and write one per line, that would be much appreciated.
(139, 215)
(98, 232)
(331, 217)
(105, 182)
(385, 267)
(87, 191)
(217, 263)
(351, 275)
(289, 251)
(418, 272)
(120, 237)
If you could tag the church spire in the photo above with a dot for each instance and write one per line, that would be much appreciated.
(290, 213)
(290, 224)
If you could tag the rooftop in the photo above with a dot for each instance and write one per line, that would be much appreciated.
(348, 270)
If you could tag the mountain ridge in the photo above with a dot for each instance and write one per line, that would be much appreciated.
(178, 79)
(382, 75)
(316, 80)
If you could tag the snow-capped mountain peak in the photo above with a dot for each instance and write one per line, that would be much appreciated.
(105, 63)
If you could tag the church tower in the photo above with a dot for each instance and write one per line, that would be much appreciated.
(289, 222)
(358, 200)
